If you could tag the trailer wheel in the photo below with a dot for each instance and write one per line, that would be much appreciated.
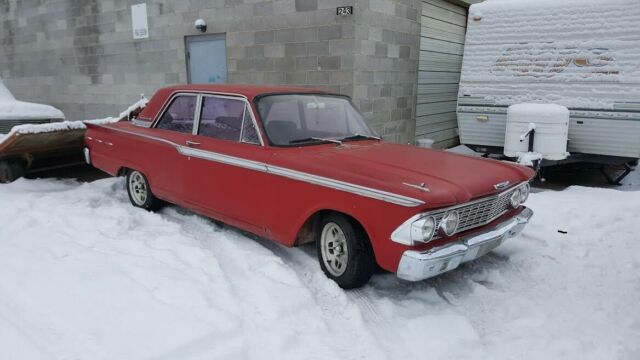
(10, 171)
(140, 193)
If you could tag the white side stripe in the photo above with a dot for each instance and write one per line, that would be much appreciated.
(284, 172)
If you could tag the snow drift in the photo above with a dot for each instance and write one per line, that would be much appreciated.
(83, 274)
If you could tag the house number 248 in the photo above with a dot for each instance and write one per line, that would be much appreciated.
(344, 10)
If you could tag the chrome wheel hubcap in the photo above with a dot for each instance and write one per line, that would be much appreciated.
(138, 188)
(333, 245)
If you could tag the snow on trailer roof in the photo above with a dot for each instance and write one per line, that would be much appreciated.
(12, 109)
(576, 53)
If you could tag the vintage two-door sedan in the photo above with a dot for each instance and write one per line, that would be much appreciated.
(298, 165)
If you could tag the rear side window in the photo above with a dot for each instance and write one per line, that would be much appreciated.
(179, 115)
(226, 119)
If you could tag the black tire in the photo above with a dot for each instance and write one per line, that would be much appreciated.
(140, 193)
(10, 171)
(358, 262)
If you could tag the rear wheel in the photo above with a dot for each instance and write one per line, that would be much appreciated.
(10, 171)
(140, 193)
(344, 251)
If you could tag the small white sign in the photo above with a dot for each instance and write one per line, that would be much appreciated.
(139, 21)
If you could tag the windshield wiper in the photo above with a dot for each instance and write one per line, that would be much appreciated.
(361, 136)
(297, 141)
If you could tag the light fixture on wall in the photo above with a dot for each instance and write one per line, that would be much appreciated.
(201, 25)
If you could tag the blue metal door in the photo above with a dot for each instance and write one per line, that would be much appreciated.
(206, 59)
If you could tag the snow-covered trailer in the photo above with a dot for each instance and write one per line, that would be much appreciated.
(582, 54)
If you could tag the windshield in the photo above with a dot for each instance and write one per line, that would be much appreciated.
(311, 118)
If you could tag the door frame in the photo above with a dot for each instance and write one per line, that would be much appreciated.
(205, 37)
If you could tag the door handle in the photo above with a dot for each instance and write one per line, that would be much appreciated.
(192, 143)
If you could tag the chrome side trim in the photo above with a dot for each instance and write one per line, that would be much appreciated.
(144, 124)
(224, 159)
(345, 186)
(284, 172)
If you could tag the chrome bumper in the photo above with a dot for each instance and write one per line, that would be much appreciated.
(420, 265)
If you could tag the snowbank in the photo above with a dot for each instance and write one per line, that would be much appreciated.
(579, 54)
(85, 274)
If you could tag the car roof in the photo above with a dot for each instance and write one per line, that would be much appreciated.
(250, 91)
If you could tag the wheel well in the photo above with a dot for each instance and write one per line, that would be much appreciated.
(123, 171)
(307, 233)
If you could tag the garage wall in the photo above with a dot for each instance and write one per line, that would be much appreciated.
(440, 61)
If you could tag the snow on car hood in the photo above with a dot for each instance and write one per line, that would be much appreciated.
(12, 109)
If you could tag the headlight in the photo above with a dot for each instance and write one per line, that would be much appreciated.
(524, 192)
(449, 222)
(515, 198)
(422, 230)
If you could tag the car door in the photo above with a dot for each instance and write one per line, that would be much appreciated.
(225, 167)
(163, 163)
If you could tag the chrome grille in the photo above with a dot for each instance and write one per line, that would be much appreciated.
(6, 125)
(479, 212)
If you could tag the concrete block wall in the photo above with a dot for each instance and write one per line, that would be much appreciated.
(80, 56)
(386, 65)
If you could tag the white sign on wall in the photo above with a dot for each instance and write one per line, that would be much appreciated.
(139, 21)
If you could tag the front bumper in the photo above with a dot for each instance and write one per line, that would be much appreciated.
(420, 265)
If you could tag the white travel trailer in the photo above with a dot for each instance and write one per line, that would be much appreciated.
(581, 54)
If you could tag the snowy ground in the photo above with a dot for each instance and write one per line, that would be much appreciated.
(83, 275)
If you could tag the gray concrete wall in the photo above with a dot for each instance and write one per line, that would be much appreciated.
(79, 55)
(386, 65)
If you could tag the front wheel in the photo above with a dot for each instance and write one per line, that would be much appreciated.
(344, 251)
(140, 193)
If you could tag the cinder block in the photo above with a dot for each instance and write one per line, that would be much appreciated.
(306, 5)
(274, 50)
(330, 32)
(329, 62)
(307, 63)
(264, 37)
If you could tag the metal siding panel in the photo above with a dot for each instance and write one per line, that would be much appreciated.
(593, 136)
(440, 61)
(437, 88)
(443, 14)
(436, 108)
(447, 5)
(436, 97)
(427, 44)
(435, 118)
(605, 137)
(431, 128)
(438, 77)
(438, 34)
(429, 22)
(489, 133)
(432, 61)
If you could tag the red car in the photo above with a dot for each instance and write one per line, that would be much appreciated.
(298, 165)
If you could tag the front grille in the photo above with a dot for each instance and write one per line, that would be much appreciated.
(479, 212)
(6, 125)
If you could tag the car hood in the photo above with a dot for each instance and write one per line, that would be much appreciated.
(450, 178)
